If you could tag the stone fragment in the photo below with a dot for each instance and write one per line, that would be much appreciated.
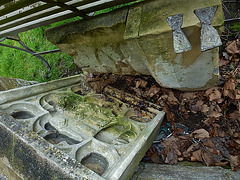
(138, 40)
(62, 129)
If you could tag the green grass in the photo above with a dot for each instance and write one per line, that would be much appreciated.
(19, 64)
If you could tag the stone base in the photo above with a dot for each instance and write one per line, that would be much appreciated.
(63, 130)
(138, 40)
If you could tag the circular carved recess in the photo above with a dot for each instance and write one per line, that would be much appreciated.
(22, 115)
(95, 162)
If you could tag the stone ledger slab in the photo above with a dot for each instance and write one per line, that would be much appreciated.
(178, 172)
(63, 130)
(138, 40)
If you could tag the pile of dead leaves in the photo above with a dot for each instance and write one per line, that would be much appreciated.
(212, 116)
(201, 146)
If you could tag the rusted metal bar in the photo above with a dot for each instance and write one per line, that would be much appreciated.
(5, 2)
(47, 52)
(230, 21)
(3, 39)
(67, 7)
(26, 49)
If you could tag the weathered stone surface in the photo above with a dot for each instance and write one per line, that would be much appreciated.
(33, 158)
(65, 125)
(178, 172)
(7, 83)
(140, 41)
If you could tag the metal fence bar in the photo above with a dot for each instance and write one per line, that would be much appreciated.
(37, 22)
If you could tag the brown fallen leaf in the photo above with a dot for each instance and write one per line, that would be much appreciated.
(197, 156)
(171, 99)
(234, 47)
(205, 108)
(141, 83)
(172, 157)
(237, 92)
(193, 147)
(99, 83)
(214, 93)
(152, 153)
(152, 91)
(215, 114)
(200, 134)
(207, 158)
(229, 88)
(234, 162)
(138, 91)
(223, 62)
(169, 115)
(209, 121)
(189, 95)
(197, 107)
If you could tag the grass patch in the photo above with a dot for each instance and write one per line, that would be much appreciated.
(19, 64)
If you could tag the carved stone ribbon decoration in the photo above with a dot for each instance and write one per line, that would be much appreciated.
(209, 35)
(180, 41)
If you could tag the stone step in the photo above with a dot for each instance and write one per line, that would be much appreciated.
(149, 171)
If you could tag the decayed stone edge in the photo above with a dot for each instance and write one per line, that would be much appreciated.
(125, 170)
(31, 157)
(27, 91)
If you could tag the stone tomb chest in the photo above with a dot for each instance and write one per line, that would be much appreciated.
(175, 41)
(99, 131)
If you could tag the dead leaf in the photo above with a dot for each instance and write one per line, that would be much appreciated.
(213, 93)
(193, 147)
(171, 99)
(229, 88)
(152, 91)
(197, 156)
(237, 92)
(223, 62)
(129, 79)
(141, 83)
(138, 91)
(99, 83)
(200, 134)
(197, 107)
(153, 154)
(215, 114)
(233, 47)
(209, 121)
(207, 158)
(169, 115)
(205, 108)
(172, 157)
(188, 95)
(234, 162)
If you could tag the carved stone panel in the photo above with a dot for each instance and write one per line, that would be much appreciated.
(99, 131)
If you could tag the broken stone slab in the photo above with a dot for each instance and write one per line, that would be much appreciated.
(30, 157)
(150, 171)
(7, 83)
(64, 121)
(139, 40)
